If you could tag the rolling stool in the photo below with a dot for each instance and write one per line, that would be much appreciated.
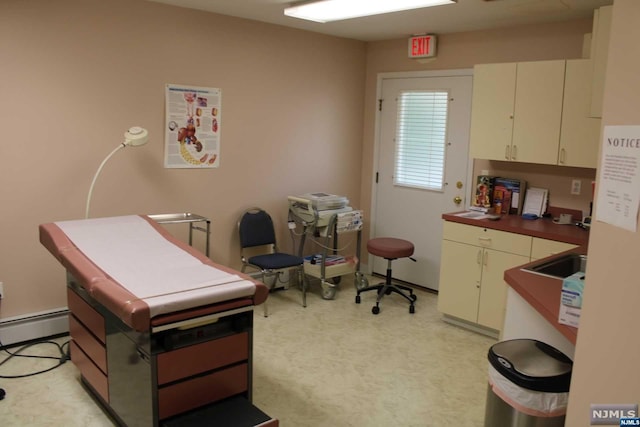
(390, 248)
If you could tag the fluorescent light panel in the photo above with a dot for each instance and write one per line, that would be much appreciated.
(335, 10)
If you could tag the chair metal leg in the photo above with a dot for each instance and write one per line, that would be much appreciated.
(302, 278)
(266, 308)
(387, 287)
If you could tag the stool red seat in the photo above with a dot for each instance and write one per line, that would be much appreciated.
(390, 248)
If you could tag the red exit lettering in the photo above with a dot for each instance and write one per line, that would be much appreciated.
(421, 46)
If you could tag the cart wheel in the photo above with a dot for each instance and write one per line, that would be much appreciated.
(414, 297)
(361, 281)
(412, 309)
(375, 309)
(328, 291)
(357, 299)
(336, 280)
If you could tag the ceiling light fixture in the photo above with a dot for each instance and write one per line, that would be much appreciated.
(336, 10)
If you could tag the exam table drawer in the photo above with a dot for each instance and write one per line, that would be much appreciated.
(93, 348)
(203, 357)
(87, 315)
(90, 371)
(183, 396)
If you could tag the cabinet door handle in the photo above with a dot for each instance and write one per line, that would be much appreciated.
(514, 152)
(506, 152)
(485, 241)
(484, 259)
(562, 155)
(479, 256)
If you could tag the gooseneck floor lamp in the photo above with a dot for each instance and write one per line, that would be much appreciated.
(134, 137)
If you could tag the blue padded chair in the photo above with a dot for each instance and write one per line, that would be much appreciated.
(259, 250)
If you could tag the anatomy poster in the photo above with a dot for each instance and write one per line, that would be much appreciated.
(192, 133)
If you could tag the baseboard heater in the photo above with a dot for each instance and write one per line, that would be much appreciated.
(18, 329)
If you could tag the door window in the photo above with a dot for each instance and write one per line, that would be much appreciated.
(420, 139)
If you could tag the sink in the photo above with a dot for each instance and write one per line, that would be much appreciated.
(561, 267)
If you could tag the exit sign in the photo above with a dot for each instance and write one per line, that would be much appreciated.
(422, 46)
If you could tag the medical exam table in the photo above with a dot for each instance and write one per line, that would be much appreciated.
(162, 336)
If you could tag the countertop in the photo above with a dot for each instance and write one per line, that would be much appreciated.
(543, 227)
(541, 292)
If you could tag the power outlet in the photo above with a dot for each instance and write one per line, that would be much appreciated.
(576, 186)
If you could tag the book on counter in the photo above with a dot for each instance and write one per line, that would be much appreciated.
(510, 191)
(483, 195)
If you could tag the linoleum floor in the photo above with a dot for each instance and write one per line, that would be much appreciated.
(331, 364)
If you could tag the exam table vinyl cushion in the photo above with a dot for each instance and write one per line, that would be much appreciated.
(128, 307)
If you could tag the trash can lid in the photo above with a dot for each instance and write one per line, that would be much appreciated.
(532, 364)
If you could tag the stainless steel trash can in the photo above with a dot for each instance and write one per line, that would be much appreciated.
(528, 385)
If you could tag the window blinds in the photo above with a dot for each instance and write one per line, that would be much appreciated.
(420, 139)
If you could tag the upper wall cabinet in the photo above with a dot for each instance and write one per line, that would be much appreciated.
(580, 134)
(599, 52)
(517, 111)
(535, 112)
(492, 111)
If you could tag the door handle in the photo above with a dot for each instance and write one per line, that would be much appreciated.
(457, 200)
(507, 154)
(514, 152)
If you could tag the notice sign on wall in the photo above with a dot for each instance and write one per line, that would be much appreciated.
(619, 183)
(192, 133)
(423, 46)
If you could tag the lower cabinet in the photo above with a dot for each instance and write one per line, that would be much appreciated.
(542, 248)
(474, 259)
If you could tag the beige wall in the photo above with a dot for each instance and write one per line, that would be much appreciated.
(464, 50)
(77, 73)
(606, 368)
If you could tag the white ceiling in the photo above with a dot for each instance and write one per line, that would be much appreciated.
(466, 15)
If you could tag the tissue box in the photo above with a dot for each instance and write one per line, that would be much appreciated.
(572, 289)
(571, 299)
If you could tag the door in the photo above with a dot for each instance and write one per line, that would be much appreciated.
(493, 288)
(462, 272)
(423, 130)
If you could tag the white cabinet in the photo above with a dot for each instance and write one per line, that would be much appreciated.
(538, 112)
(599, 53)
(535, 112)
(474, 259)
(517, 109)
(542, 248)
(492, 111)
(579, 134)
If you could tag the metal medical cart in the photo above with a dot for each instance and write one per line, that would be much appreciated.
(191, 219)
(328, 224)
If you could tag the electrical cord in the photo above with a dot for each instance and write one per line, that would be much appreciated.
(62, 359)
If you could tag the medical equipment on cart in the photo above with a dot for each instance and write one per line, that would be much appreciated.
(327, 215)
(317, 208)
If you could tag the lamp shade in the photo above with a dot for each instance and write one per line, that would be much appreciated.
(133, 137)
(136, 136)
